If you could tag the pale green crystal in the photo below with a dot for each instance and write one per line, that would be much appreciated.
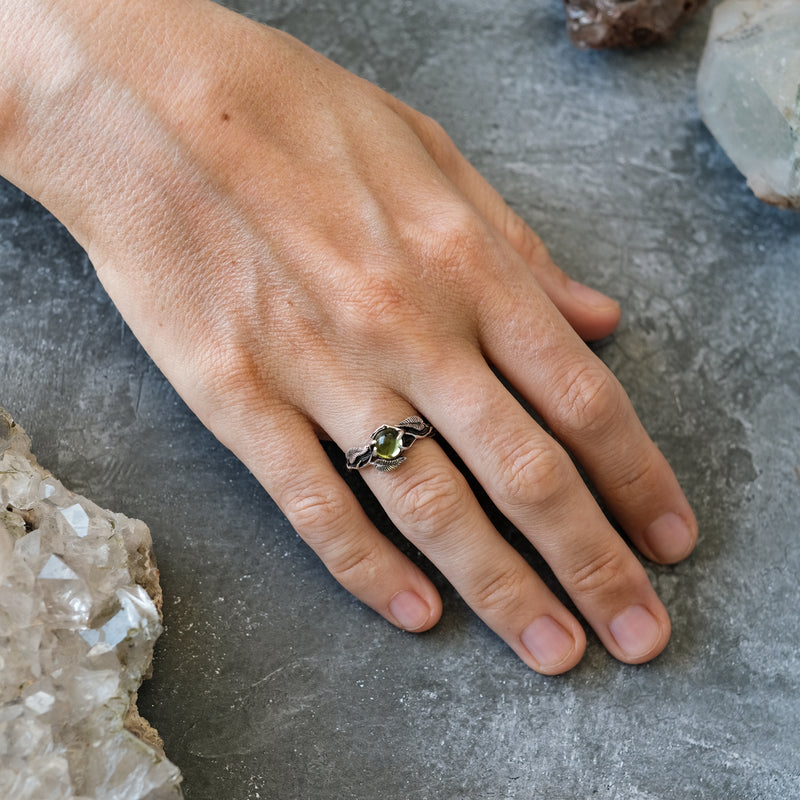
(388, 442)
(748, 92)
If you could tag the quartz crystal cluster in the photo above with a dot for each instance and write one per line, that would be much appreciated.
(626, 23)
(79, 613)
(748, 92)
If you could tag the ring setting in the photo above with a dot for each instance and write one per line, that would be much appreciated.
(387, 443)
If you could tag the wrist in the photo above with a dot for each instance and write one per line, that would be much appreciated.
(82, 83)
(40, 70)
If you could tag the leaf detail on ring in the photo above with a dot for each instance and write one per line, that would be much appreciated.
(388, 464)
(416, 426)
(359, 457)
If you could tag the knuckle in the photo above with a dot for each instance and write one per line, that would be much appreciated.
(376, 301)
(233, 391)
(603, 573)
(637, 474)
(228, 370)
(500, 591)
(522, 238)
(430, 503)
(457, 236)
(533, 475)
(374, 310)
(317, 516)
(589, 402)
(432, 132)
(354, 566)
(435, 139)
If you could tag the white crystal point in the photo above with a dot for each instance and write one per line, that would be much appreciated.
(56, 570)
(748, 92)
(77, 518)
(79, 614)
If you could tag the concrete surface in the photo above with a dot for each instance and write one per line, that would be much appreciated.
(271, 681)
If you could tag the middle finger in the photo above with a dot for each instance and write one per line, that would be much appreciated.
(533, 481)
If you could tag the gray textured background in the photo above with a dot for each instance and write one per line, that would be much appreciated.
(271, 682)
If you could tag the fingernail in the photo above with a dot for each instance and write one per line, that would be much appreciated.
(669, 538)
(410, 610)
(590, 297)
(636, 631)
(548, 642)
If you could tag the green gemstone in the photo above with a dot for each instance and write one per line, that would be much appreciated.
(388, 442)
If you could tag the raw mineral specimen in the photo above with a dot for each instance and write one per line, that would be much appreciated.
(79, 613)
(626, 23)
(748, 91)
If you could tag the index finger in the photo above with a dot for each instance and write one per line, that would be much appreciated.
(588, 411)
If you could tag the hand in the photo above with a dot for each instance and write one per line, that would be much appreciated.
(304, 255)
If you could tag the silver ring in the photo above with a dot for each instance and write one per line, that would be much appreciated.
(387, 443)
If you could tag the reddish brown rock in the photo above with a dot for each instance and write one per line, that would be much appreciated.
(626, 23)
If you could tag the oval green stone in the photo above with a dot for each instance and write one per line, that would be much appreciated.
(388, 442)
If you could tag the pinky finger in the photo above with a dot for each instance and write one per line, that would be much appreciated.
(325, 513)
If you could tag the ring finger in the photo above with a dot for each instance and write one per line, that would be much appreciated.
(430, 502)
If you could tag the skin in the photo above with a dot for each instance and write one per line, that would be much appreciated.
(304, 255)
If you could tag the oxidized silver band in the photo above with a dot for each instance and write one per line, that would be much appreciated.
(386, 444)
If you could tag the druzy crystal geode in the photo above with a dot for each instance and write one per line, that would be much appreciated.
(79, 613)
(626, 23)
(748, 92)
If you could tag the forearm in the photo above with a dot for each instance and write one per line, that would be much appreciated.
(95, 96)
(50, 88)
